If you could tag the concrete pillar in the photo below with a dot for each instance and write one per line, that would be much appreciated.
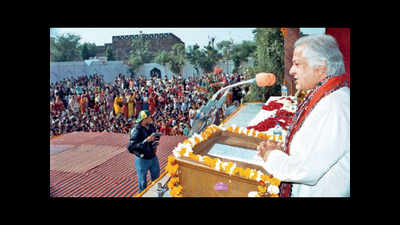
(292, 34)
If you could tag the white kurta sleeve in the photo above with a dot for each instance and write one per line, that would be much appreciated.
(323, 139)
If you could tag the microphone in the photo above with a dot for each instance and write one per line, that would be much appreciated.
(207, 113)
(261, 79)
(265, 79)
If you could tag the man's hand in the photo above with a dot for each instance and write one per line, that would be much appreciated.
(262, 148)
(154, 145)
(265, 147)
(150, 138)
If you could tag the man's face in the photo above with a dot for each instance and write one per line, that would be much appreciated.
(148, 120)
(306, 76)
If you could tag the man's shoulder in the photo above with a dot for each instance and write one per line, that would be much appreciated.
(341, 95)
(338, 100)
(136, 128)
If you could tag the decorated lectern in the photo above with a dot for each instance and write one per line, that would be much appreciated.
(220, 162)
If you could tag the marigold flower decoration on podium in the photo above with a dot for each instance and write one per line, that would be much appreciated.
(185, 149)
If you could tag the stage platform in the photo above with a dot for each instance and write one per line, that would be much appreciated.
(97, 164)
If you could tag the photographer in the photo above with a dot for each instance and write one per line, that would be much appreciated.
(143, 143)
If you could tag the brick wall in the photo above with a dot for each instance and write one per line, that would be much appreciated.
(121, 45)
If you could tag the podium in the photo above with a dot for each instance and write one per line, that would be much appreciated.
(198, 179)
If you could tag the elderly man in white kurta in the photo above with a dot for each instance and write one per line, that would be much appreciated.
(315, 159)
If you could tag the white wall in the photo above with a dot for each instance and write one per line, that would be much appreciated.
(187, 71)
(144, 70)
(110, 69)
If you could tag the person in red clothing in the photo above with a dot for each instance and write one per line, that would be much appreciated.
(138, 104)
(58, 105)
(152, 108)
(152, 105)
(131, 84)
(96, 107)
(83, 103)
(52, 108)
(124, 108)
(180, 129)
(165, 130)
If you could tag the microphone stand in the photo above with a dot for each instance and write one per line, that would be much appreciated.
(208, 112)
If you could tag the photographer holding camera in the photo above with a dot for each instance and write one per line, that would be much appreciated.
(143, 143)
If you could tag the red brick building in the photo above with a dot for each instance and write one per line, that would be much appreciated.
(121, 45)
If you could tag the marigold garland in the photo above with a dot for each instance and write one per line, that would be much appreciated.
(185, 149)
(176, 190)
(284, 31)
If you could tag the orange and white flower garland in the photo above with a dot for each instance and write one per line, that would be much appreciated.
(185, 149)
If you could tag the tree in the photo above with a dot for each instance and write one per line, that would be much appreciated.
(53, 49)
(53, 32)
(109, 54)
(139, 54)
(269, 58)
(65, 48)
(85, 52)
(209, 57)
(242, 52)
(226, 48)
(177, 57)
(194, 56)
(92, 48)
(162, 58)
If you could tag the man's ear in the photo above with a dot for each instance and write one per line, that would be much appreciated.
(321, 69)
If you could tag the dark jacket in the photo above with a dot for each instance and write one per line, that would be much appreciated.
(137, 145)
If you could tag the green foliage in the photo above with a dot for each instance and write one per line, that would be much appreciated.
(206, 63)
(241, 53)
(53, 49)
(269, 58)
(177, 57)
(135, 62)
(65, 48)
(92, 49)
(253, 95)
(226, 47)
(139, 54)
(85, 52)
(194, 56)
(162, 58)
(270, 51)
(109, 54)
(209, 57)
(53, 32)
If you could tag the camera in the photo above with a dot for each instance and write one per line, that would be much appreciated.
(154, 144)
(157, 135)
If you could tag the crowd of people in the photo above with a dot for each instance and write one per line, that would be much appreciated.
(89, 104)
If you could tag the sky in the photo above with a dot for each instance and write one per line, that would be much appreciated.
(189, 36)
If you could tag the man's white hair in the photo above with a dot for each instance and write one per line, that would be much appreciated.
(320, 48)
